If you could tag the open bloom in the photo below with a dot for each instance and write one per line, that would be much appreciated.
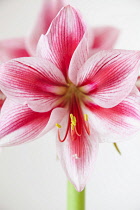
(87, 100)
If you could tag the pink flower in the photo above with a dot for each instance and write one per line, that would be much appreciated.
(86, 100)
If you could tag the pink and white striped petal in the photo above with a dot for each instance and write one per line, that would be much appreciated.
(106, 75)
(19, 124)
(77, 158)
(62, 38)
(48, 11)
(119, 123)
(79, 57)
(57, 116)
(103, 38)
(12, 48)
(33, 81)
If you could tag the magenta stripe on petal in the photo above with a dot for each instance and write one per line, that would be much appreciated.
(77, 157)
(79, 57)
(118, 123)
(106, 75)
(48, 11)
(64, 35)
(34, 81)
(19, 124)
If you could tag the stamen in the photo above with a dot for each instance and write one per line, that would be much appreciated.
(77, 132)
(73, 121)
(73, 124)
(58, 125)
(86, 124)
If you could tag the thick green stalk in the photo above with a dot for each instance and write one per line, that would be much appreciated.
(75, 200)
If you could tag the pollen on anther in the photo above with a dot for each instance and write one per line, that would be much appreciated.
(58, 125)
(73, 120)
(85, 117)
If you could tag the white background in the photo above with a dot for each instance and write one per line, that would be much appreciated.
(30, 176)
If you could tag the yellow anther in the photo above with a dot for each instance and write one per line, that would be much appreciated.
(71, 116)
(72, 127)
(73, 121)
(85, 117)
(57, 125)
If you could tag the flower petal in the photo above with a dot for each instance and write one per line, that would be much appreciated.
(12, 48)
(79, 57)
(103, 37)
(76, 146)
(77, 157)
(118, 123)
(19, 124)
(47, 13)
(106, 75)
(64, 35)
(33, 81)
(56, 117)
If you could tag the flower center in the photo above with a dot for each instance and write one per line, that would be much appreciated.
(72, 92)
(77, 122)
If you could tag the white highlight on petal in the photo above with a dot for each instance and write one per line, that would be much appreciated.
(76, 156)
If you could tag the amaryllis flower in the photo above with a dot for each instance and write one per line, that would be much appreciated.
(86, 100)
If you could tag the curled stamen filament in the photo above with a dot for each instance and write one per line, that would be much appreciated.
(73, 124)
(73, 121)
(59, 138)
(86, 124)
(77, 132)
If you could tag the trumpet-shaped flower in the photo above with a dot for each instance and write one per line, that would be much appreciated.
(86, 99)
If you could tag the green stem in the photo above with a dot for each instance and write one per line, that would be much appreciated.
(75, 200)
